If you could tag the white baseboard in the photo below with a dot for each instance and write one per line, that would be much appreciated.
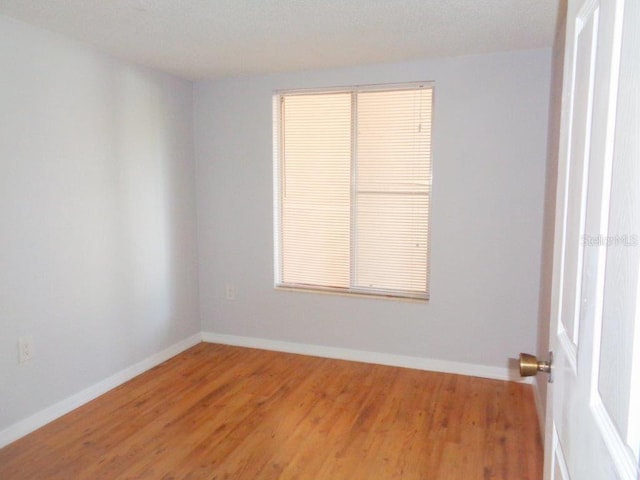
(28, 425)
(418, 363)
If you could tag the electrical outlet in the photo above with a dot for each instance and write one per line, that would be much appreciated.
(25, 349)
(231, 292)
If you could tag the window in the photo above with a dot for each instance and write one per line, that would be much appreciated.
(353, 190)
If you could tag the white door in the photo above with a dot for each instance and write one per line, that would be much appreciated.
(593, 416)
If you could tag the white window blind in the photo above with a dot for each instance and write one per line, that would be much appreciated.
(353, 188)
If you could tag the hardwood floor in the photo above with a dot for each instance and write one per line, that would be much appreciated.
(220, 412)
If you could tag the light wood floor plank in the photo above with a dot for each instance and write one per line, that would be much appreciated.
(219, 412)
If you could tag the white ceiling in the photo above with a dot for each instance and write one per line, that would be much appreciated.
(199, 39)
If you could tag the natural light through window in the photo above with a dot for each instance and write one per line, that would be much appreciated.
(353, 190)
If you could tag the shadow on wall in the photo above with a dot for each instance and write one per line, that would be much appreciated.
(154, 224)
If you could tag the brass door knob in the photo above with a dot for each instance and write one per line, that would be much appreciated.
(530, 366)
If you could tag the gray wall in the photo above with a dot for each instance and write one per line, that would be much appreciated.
(97, 212)
(490, 129)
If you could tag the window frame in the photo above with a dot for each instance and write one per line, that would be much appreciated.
(278, 153)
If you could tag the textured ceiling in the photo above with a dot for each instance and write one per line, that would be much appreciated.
(214, 38)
